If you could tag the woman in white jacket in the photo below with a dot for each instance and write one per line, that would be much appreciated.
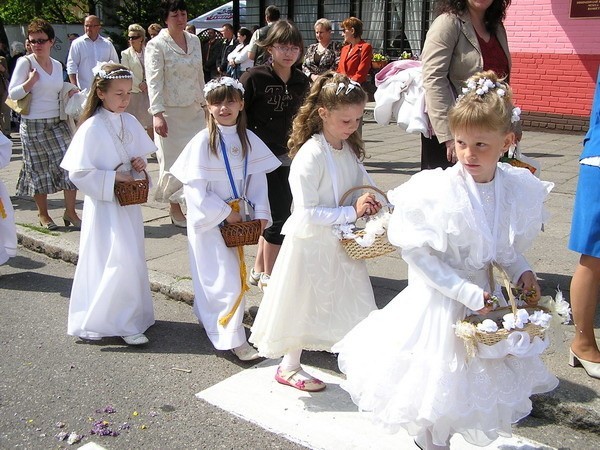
(238, 59)
(133, 59)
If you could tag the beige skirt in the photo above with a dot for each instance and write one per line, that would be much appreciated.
(183, 124)
(138, 107)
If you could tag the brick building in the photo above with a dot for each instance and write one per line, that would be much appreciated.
(555, 46)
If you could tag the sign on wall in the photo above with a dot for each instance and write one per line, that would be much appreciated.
(584, 9)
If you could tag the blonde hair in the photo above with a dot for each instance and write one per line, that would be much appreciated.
(490, 109)
(93, 102)
(325, 93)
(325, 23)
(136, 28)
(218, 95)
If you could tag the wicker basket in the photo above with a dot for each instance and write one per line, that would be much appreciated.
(471, 336)
(132, 192)
(380, 247)
(241, 233)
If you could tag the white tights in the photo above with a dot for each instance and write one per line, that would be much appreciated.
(291, 361)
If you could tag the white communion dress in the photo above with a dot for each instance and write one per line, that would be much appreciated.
(111, 291)
(8, 231)
(404, 362)
(215, 267)
(316, 293)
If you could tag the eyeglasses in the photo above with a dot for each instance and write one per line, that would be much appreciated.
(133, 38)
(287, 50)
(38, 41)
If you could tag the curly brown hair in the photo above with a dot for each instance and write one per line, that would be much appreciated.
(323, 94)
(40, 26)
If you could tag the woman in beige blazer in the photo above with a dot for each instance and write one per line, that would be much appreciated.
(133, 59)
(466, 37)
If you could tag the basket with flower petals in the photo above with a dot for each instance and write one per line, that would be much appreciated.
(371, 241)
(500, 323)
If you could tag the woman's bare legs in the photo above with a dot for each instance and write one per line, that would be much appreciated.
(585, 288)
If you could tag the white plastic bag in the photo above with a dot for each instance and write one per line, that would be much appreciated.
(74, 106)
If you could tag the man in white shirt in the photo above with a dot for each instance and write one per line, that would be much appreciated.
(86, 51)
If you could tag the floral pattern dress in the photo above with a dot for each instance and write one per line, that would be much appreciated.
(316, 63)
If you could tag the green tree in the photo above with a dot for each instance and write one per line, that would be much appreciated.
(20, 12)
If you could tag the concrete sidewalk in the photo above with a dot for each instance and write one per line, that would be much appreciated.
(393, 157)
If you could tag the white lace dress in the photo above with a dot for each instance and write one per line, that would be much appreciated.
(404, 362)
(316, 293)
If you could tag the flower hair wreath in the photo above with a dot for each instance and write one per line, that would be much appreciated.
(223, 81)
(485, 85)
(98, 71)
(339, 87)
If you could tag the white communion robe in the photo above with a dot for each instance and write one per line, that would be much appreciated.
(8, 232)
(111, 291)
(215, 267)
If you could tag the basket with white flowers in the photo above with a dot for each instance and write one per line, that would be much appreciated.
(500, 323)
(367, 238)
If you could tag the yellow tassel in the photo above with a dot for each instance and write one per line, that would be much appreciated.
(235, 205)
(2, 210)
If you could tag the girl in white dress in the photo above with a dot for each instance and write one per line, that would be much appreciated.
(404, 362)
(8, 232)
(222, 163)
(111, 291)
(316, 292)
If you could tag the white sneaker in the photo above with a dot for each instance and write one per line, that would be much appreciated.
(245, 352)
(263, 281)
(254, 277)
(136, 339)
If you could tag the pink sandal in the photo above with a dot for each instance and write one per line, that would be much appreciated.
(300, 380)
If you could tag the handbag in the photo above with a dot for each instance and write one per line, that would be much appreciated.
(22, 105)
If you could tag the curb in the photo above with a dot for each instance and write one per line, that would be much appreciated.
(562, 406)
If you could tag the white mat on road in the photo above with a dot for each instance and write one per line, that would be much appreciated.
(326, 420)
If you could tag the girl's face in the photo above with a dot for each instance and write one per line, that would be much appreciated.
(117, 96)
(226, 112)
(40, 44)
(479, 150)
(285, 55)
(241, 38)
(176, 20)
(340, 123)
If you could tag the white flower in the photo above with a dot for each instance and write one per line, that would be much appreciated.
(366, 240)
(516, 114)
(562, 308)
(345, 231)
(510, 320)
(488, 326)
(489, 83)
(97, 69)
(540, 318)
(500, 92)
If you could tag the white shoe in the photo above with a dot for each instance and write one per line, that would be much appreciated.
(245, 352)
(263, 281)
(254, 277)
(136, 339)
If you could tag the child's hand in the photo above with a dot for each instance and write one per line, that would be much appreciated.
(233, 217)
(138, 164)
(531, 289)
(123, 176)
(263, 225)
(367, 204)
(488, 304)
(72, 92)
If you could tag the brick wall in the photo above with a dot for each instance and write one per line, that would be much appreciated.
(555, 63)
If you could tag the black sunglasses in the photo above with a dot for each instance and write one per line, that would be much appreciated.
(38, 41)
(133, 38)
